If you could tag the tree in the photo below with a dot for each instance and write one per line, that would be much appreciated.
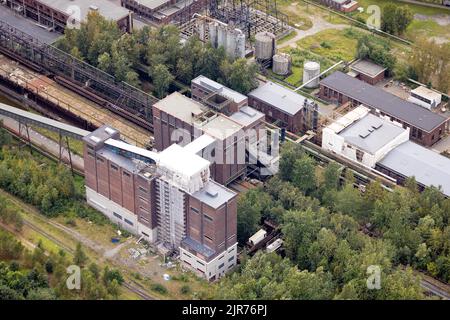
(248, 217)
(79, 257)
(239, 75)
(304, 176)
(5, 137)
(395, 19)
(289, 154)
(162, 79)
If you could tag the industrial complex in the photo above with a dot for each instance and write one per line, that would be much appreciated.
(170, 127)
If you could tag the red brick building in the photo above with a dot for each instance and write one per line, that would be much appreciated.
(426, 127)
(57, 14)
(368, 71)
(167, 198)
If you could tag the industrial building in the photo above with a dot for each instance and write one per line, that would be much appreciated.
(426, 127)
(285, 107)
(205, 90)
(367, 71)
(165, 11)
(425, 97)
(56, 15)
(167, 198)
(341, 5)
(179, 119)
(363, 137)
(384, 145)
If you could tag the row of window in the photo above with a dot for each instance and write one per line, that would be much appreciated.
(118, 216)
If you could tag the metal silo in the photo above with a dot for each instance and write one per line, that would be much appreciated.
(281, 64)
(311, 69)
(264, 45)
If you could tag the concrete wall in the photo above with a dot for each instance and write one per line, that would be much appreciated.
(213, 269)
(119, 215)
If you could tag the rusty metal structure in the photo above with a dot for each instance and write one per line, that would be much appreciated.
(251, 16)
(92, 83)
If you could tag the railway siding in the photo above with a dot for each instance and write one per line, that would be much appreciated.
(50, 91)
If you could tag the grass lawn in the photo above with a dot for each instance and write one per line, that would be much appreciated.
(301, 15)
(427, 27)
(331, 44)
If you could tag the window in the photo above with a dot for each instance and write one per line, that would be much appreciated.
(145, 234)
(100, 160)
(208, 218)
(118, 216)
(129, 222)
(91, 154)
(194, 210)
(230, 259)
(221, 265)
(114, 167)
(90, 147)
(200, 263)
(143, 199)
(359, 155)
(126, 174)
(142, 189)
(208, 238)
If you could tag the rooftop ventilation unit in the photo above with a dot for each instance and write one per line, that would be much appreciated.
(364, 134)
(377, 126)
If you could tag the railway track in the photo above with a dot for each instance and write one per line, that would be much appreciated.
(130, 285)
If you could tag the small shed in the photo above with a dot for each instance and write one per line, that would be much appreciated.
(257, 237)
(367, 71)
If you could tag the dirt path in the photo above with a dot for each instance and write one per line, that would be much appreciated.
(319, 24)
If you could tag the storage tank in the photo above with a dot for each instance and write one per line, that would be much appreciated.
(240, 45)
(281, 64)
(264, 45)
(231, 42)
(222, 33)
(212, 28)
(311, 69)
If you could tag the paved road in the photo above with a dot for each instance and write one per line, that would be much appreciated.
(43, 142)
(319, 24)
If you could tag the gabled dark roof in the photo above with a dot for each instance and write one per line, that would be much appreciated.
(386, 102)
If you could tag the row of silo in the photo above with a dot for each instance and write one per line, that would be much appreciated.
(232, 39)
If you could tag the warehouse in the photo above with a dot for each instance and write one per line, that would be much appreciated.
(282, 106)
(367, 71)
(429, 168)
(363, 137)
(426, 127)
(58, 14)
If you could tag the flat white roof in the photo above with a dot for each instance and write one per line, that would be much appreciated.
(247, 115)
(180, 106)
(133, 149)
(427, 93)
(428, 167)
(347, 119)
(175, 158)
(279, 97)
(107, 9)
(200, 143)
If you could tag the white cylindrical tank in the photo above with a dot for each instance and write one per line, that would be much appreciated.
(212, 28)
(240, 45)
(264, 45)
(201, 29)
(281, 64)
(231, 43)
(311, 69)
(222, 36)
